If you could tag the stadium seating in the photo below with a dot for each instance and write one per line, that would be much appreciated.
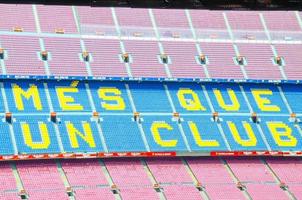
(220, 56)
(48, 185)
(95, 21)
(291, 55)
(173, 177)
(181, 54)
(8, 188)
(131, 179)
(221, 36)
(86, 179)
(22, 55)
(169, 26)
(212, 26)
(281, 21)
(95, 16)
(173, 112)
(126, 135)
(191, 128)
(212, 174)
(287, 173)
(134, 178)
(244, 20)
(138, 24)
(105, 58)
(25, 19)
(257, 56)
(61, 19)
(65, 54)
(258, 179)
(156, 97)
(143, 52)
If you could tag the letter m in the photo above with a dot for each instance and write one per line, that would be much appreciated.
(31, 92)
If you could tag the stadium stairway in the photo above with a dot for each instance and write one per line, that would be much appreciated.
(10, 184)
(278, 180)
(64, 178)
(257, 179)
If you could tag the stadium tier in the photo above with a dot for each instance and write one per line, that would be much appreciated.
(159, 102)
(153, 178)
(109, 116)
(150, 43)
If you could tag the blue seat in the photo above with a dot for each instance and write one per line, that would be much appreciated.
(206, 130)
(150, 97)
(79, 98)
(223, 88)
(94, 88)
(293, 94)
(270, 139)
(28, 104)
(275, 98)
(166, 135)
(74, 136)
(6, 147)
(122, 134)
(35, 133)
(196, 88)
(238, 122)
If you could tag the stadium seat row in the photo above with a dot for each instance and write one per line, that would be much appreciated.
(173, 178)
(82, 19)
(61, 56)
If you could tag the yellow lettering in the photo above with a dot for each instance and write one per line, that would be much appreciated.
(279, 135)
(199, 141)
(32, 92)
(67, 102)
(73, 133)
(156, 135)
(119, 101)
(235, 106)
(44, 144)
(263, 102)
(251, 141)
(189, 104)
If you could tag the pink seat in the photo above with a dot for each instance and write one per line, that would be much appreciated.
(19, 15)
(218, 183)
(42, 181)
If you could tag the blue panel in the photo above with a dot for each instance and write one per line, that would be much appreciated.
(207, 129)
(95, 86)
(122, 134)
(28, 104)
(150, 97)
(77, 122)
(293, 94)
(223, 88)
(165, 134)
(275, 98)
(6, 147)
(238, 121)
(79, 98)
(174, 87)
(295, 133)
(33, 122)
